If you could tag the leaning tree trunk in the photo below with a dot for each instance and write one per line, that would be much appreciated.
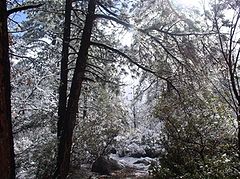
(7, 167)
(76, 86)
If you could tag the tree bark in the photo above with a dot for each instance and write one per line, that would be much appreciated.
(64, 67)
(7, 166)
(238, 133)
(63, 83)
(76, 86)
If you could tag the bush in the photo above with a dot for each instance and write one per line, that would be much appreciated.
(198, 138)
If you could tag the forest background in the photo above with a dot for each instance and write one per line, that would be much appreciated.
(63, 71)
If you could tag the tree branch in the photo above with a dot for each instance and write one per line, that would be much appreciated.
(107, 10)
(122, 54)
(179, 34)
(160, 43)
(22, 8)
(126, 24)
(135, 63)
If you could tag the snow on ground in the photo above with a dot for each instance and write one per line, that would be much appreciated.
(141, 169)
(131, 169)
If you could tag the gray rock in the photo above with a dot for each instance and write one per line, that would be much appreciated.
(105, 166)
(143, 161)
(152, 153)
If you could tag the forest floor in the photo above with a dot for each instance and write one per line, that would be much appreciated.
(130, 170)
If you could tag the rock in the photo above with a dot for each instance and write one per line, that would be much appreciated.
(136, 151)
(82, 171)
(113, 151)
(143, 161)
(137, 155)
(105, 166)
(124, 153)
(152, 153)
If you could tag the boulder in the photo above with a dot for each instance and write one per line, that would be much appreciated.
(124, 153)
(143, 161)
(113, 151)
(105, 166)
(137, 154)
(152, 153)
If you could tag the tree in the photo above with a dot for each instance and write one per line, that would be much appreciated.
(39, 72)
(79, 76)
(100, 121)
(7, 166)
(35, 70)
(188, 83)
(224, 55)
(173, 48)
(72, 107)
(62, 105)
(64, 67)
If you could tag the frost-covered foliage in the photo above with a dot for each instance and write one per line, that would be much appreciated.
(34, 107)
(36, 55)
(195, 101)
(198, 132)
(140, 142)
(142, 137)
(34, 75)
(98, 126)
(183, 110)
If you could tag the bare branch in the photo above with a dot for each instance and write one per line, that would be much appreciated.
(179, 34)
(126, 24)
(107, 10)
(122, 54)
(135, 63)
(22, 8)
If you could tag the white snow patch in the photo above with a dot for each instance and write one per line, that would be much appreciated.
(141, 169)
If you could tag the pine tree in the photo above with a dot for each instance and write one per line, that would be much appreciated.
(7, 166)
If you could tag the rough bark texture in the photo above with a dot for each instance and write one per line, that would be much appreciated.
(7, 168)
(63, 83)
(238, 134)
(76, 86)
(64, 68)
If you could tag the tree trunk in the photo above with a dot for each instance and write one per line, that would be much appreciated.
(238, 134)
(64, 67)
(76, 86)
(7, 167)
(63, 83)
